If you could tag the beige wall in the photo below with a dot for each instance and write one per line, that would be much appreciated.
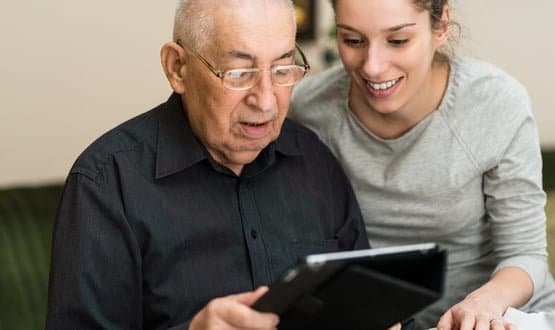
(70, 70)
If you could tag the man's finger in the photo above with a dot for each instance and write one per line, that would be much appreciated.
(240, 315)
(249, 298)
(395, 327)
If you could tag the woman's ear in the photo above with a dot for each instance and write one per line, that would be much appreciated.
(173, 62)
(444, 23)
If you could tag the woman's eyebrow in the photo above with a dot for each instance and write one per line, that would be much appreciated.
(399, 27)
(390, 29)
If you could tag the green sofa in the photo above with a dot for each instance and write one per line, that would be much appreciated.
(26, 220)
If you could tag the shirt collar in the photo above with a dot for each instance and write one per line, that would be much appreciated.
(178, 148)
(287, 142)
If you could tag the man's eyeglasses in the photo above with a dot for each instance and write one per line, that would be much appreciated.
(243, 79)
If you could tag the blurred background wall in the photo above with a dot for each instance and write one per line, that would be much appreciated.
(70, 70)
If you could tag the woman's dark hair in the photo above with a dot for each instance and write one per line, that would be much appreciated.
(435, 8)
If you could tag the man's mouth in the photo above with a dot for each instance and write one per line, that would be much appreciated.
(253, 124)
(255, 130)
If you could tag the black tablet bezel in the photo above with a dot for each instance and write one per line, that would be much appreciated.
(295, 287)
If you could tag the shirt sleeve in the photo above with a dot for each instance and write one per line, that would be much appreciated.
(95, 278)
(515, 204)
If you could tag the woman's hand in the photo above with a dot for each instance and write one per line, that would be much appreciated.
(474, 313)
(483, 309)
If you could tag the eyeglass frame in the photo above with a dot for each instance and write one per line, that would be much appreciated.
(221, 73)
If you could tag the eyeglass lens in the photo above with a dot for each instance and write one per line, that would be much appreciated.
(246, 78)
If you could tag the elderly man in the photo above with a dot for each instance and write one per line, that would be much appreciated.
(172, 219)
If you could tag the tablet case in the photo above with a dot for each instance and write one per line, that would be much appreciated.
(371, 294)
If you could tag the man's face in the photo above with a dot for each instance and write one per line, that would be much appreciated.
(236, 125)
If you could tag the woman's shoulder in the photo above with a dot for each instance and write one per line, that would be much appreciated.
(482, 80)
(320, 89)
(319, 98)
(484, 103)
(479, 88)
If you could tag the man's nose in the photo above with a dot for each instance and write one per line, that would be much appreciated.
(262, 94)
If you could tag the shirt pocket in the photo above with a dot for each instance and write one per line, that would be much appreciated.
(303, 248)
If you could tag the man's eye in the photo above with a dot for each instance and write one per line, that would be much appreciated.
(239, 74)
(398, 42)
(282, 71)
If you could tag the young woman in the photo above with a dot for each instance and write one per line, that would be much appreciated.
(439, 148)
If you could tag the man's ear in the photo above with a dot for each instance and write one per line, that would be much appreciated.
(173, 62)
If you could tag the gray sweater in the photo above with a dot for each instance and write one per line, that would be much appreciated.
(468, 176)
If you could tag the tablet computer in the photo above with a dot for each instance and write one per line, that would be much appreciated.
(362, 289)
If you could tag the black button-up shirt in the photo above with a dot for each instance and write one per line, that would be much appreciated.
(150, 227)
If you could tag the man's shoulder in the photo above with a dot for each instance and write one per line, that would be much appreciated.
(307, 141)
(303, 135)
(135, 133)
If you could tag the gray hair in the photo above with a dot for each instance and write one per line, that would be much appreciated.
(194, 21)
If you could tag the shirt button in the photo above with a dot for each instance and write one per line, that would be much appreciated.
(254, 234)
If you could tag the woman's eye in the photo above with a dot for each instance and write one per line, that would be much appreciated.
(398, 42)
(353, 42)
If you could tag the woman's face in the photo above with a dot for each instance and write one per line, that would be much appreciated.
(387, 47)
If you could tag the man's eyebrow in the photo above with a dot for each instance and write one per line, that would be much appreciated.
(391, 29)
(288, 54)
(241, 55)
(246, 56)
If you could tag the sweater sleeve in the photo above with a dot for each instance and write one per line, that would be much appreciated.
(515, 204)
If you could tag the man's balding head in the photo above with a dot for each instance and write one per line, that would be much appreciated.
(195, 19)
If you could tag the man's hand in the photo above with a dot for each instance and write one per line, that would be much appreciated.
(395, 327)
(234, 312)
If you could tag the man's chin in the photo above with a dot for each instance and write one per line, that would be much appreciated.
(246, 156)
(247, 153)
(249, 145)
(241, 154)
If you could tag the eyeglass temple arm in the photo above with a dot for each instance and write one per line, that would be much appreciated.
(305, 61)
(218, 73)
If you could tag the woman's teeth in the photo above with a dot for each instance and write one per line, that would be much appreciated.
(384, 85)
